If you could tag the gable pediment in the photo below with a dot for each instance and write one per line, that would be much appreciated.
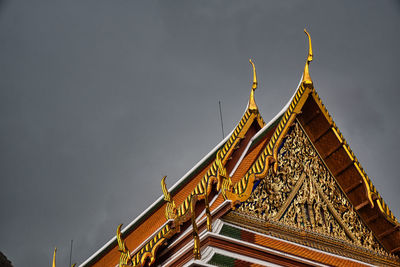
(304, 195)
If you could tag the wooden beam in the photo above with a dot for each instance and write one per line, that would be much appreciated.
(333, 151)
(372, 218)
(343, 169)
(317, 113)
(362, 205)
(352, 187)
(386, 233)
(322, 134)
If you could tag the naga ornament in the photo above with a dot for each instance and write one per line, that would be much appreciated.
(170, 210)
(125, 258)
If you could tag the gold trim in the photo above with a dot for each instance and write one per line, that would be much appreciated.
(366, 184)
(337, 135)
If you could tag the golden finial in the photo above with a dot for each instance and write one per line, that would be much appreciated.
(54, 257)
(306, 75)
(252, 102)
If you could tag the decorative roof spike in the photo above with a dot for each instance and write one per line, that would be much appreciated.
(252, 102)
(167, 195)
(170, 209)
(54, 257)
(125, 257)
(306, 75)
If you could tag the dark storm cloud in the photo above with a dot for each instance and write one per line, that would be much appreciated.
(99, 99)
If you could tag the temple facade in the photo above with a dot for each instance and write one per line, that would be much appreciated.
(289, 192)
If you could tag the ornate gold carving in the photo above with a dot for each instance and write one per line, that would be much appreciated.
(309, 211)
(252, 102)
(125, 257)
(273, 190)
(304, 194)
(170, 209)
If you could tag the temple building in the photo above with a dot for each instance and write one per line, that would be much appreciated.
(289, 192)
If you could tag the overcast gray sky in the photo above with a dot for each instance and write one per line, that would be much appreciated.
(99, 99)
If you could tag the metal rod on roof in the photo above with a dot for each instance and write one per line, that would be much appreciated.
(222, 122)
(70, 253)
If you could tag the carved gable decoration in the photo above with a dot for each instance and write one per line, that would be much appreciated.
(304, 194)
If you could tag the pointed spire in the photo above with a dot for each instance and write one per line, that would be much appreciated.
(54, 257)
(252, 102)
(306, 75)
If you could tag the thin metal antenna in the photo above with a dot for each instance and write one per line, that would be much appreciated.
(70, 253)
(222, 122)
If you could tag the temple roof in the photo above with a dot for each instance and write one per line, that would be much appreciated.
(233, 168)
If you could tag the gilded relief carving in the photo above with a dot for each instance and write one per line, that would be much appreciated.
(303, 194)
(308, 210)
(273, 190)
